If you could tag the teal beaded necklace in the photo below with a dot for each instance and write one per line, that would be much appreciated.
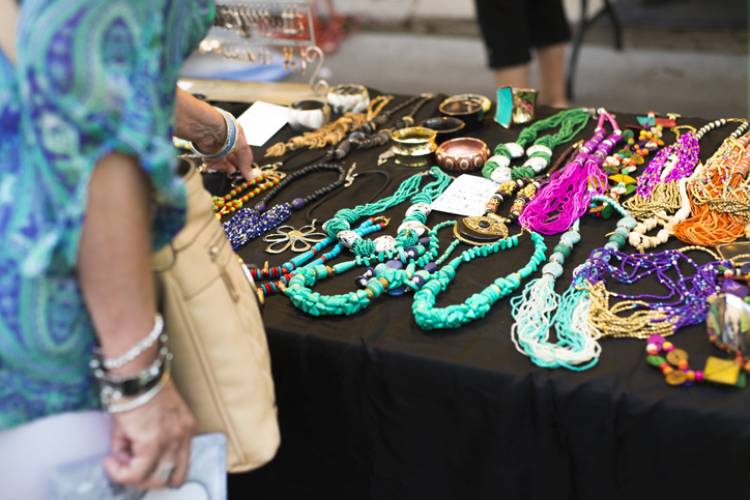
(540, 308)
(405, 252)
(539, 155)
(387, 276)
(412, 226)
(429, 317)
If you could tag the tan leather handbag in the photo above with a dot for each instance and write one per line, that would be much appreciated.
(221, 364)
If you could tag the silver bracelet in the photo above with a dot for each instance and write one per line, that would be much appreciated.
(139, 348)
(141, 400)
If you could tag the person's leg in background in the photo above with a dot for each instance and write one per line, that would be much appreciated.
(503, 24)
(550, 34)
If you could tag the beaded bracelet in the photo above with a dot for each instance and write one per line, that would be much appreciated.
(135, 351)
(228, 204)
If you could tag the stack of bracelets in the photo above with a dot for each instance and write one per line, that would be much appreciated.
(120, 394)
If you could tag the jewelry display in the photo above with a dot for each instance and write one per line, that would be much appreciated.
(515, 106)
(248, 29)
(620, 165)
(340, 224)
(412, 146)
(271, 280)
(394, 269)
(662, 197)
(463, 154)
(250, 223)
(484, 101)
(333, 132)
(639, 316)
(538, 150)
(716, 205)
(673, 364)
(566, 197)
(429, 317)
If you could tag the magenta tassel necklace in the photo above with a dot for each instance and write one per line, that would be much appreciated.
(567, 195)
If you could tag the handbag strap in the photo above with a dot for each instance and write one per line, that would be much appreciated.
(8, 27)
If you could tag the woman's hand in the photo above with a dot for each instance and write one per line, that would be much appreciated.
(151, 444)
(239, 160)
(203, 125)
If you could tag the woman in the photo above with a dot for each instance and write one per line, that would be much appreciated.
(511, 28)
(88, 190)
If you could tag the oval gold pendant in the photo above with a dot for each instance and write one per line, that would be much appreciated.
(482, 229)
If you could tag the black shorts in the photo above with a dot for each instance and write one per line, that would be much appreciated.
(510, 28)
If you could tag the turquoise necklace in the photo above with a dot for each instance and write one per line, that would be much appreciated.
(412, 226)
(394, 268)
(404, 253)
(429, 317)
(539, 308)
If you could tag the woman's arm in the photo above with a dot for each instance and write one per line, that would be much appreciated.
(200, 123)
(114, 267)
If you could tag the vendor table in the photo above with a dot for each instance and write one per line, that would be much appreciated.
(371, 407)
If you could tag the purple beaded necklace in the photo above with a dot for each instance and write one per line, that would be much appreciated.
(682, 156)
(566, 196)
(685, 302)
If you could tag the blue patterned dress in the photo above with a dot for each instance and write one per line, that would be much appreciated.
(91, 77)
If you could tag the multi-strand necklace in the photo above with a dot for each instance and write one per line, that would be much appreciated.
(567, 195)
(662, 197)
(719, 202)
(274, 279)
(539, 309)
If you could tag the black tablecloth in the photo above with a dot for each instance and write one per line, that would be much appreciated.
(371, 407)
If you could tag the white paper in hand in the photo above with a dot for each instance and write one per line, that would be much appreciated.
(207, 479)
(467, 195)
(261, 121)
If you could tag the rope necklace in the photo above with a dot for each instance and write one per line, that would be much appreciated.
(333, 132)
(250, 223)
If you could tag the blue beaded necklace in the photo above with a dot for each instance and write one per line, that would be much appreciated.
(250, 223)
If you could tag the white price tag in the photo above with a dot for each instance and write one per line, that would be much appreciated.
(467, 195)
(261, 121)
